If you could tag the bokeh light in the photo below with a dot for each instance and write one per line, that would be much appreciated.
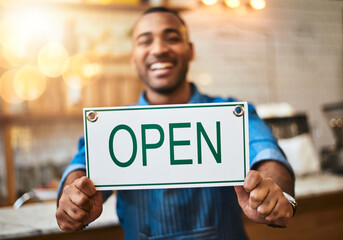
(24, 30)
(83, 70)
(3, 61)
(13, 41)
(258, 4)
(16, 55)
(53, 60)
(233, 3)
(7, 91)
(11, 3)
(209, 2)
(73, 80)
(29, 83)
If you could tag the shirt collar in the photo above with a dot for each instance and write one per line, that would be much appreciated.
(197, 97)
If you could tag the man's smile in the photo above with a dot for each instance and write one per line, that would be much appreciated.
(161, 66)
(160, 69)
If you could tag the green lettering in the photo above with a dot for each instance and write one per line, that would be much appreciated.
(201, 131)
(174, 143)
(146, 146)
(134, 141)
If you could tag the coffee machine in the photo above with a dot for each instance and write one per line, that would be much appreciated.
(332, 157)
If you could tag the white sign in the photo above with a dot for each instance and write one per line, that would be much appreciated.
(167, 146)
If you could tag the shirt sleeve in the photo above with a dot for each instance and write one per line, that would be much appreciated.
(263, 145)
(78, 163)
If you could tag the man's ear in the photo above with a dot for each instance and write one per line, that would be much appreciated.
(192, 51)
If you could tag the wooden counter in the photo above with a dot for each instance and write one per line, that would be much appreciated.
(319, 216)
(37, 221)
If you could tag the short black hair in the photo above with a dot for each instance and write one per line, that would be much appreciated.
(167, 10)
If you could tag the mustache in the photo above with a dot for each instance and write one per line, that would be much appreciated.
(160, 58)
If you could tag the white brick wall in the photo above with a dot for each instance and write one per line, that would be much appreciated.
(289, 52)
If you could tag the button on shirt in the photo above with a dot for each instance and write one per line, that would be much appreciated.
(189, 213)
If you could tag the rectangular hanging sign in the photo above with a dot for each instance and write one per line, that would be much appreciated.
(167, 146)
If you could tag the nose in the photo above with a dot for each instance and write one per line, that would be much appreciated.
(159, 47)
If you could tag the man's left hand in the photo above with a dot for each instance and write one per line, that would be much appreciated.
(262, 200)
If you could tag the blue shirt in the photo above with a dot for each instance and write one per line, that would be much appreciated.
(189, 213)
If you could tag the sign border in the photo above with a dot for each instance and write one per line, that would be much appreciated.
(158, 107)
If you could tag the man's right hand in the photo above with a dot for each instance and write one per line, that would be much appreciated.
(79, 204)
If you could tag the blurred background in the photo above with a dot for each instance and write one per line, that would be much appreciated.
(58, 56)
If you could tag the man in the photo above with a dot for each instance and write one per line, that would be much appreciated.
(161, 55)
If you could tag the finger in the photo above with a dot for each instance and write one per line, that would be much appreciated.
(242, 195)
(81, 200)
(85, 185)
(281, 214)
(257, 196)
(252, 180)
(271, 200)
(97, 199)
(65, 222)
(267, 206)
(77, 197)
(77, 214)
(96, 208)
(71, 209)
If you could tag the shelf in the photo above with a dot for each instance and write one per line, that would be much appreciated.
(21, 118)
(95, 7)
(88, 6)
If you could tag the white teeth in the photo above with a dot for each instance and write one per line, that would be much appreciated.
(159, 66)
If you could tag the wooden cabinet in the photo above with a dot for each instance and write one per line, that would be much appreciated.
(317, 218)
(89, 29)
(53, 116)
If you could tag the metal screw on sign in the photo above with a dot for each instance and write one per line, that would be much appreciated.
(238, 111)
(92, 116)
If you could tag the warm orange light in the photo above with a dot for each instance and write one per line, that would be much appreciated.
(232, 3)
(73, 76)
(13, 41)
(53, 60)
(209, 2)
(16, 56)
(258, 4)
(126, 2)
(73, 80)
(7, 91)
(3, 61)
(29, 83)
(91, 70)
(82, 71)
(22, 31)
(11, 3)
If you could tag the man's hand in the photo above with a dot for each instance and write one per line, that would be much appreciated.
(79, 204)
(262, 200)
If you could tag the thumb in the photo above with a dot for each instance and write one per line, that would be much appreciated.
(97, 200)
(97, 207)
(242, 195)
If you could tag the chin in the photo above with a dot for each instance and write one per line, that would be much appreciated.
(164, 90)
(165, 86)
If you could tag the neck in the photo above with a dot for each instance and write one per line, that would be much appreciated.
(180, 96)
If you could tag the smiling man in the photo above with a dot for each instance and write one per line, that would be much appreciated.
(161, 55)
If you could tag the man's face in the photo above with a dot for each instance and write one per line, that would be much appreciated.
(161, 51)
